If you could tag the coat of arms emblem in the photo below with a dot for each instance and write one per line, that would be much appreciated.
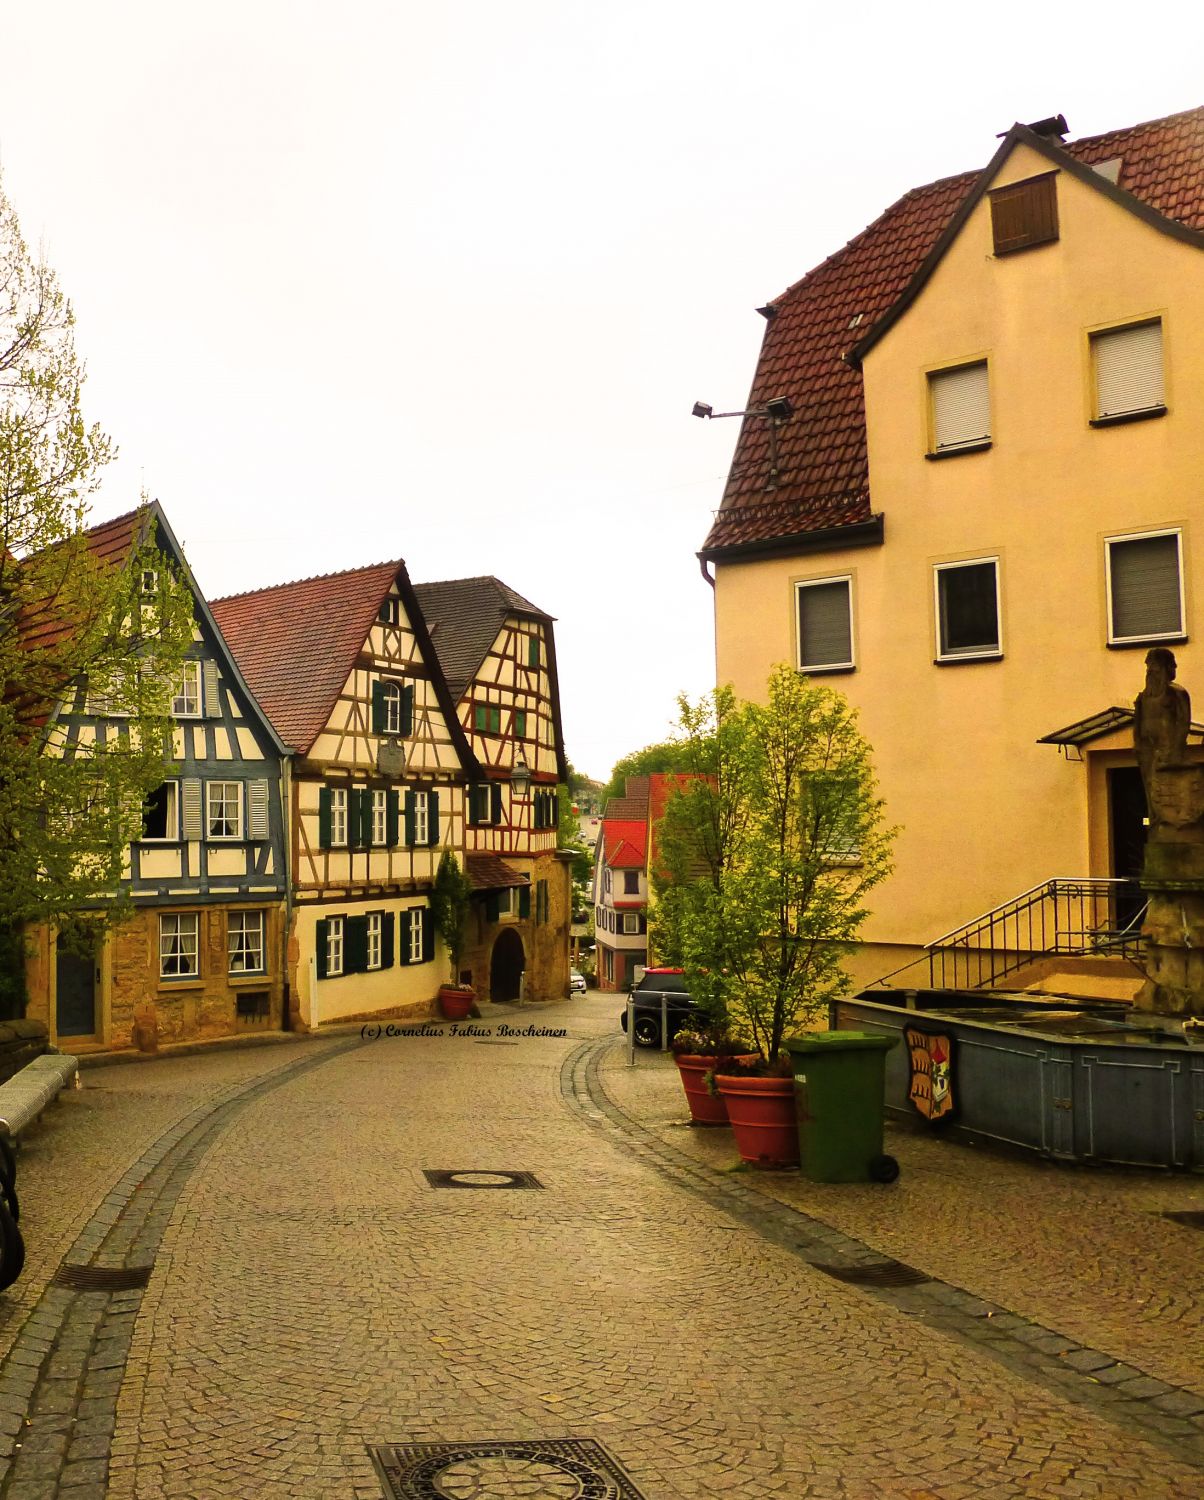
(930, 1086)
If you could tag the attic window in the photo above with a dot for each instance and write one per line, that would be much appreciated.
(1024, 214)
(390, 610)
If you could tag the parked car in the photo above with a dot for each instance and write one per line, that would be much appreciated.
(577, 985)
(680, 1009)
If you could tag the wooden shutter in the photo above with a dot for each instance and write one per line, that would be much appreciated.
(409, 816)
(320, 933)
(495, 802)
(524, 900)
(1145, 587)
(1025, 213)
(392, 818)
(427, 917)
(961, 407)
(257, 809)
(355, 945)
(407, 709)
(403, 936)
(554, 807)
(191, 823)
(537, 809)
(824, 625)
(378, 707)
(1128, 370)
(432, 817)
(388, 946)
(323, 817)
(212, 706)
(492, 910)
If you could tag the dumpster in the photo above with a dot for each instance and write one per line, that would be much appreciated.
(838, 1080)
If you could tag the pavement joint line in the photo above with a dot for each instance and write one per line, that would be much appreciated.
(89, 1334)
(939, 1304)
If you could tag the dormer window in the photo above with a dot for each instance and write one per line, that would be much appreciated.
(390, 611)
(1024, 214)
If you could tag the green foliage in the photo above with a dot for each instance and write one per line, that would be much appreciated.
(450, 895)
(568, 836)
(770, 842)
(649, 761)
(70, 623)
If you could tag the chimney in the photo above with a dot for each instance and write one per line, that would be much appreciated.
(1054, 129)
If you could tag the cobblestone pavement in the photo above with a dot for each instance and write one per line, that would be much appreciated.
(313, 1293)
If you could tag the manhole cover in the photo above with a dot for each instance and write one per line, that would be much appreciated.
(556, 1469)
(1192, 1217)
(102, 1278)
(475, 1178)
(877, 1273)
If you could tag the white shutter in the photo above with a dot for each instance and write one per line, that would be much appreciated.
(1128, 370)
(1144, 581)
(191, 823)
(257, 809)
(824, 625)
(212, 705)
(961, 406)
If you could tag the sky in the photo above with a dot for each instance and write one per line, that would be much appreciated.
(443, 282)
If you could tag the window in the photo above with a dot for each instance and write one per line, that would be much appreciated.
(825, 625)
(1025, 214)
(224, 810)
(1145, 587)
(186, 704)
(967, 609)
(416, 928)
(485, 803)
(486, 718)
(606, 881)
(631, 882)
(422, 818)
(631, 921)
(390, 611)
(372, 958)
(380, 817)
(244, 942)
(960, 402)
(505, 902)
(161, 812)
(391, 699)
(334, 945)
(179, 946)
(338, 817)
(520, 724)
(1127, 365)
(150, 581)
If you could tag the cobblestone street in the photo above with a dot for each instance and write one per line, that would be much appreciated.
(314, 1293)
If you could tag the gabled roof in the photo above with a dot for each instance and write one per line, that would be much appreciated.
(110, 542)
(465, 616)
(633, 805)
(822, 492)
(298, 642)
(624, 844)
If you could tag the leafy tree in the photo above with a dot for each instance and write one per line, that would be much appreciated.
(568, 836)
(450, 894)
(71, 623)
(649, 761)
(767, 851)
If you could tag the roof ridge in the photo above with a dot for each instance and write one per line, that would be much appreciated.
(430, 583)
(1179, 114)
(290, 583)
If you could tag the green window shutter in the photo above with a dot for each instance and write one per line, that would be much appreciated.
(407, 709)
(538, 809)
(387, 946)
(212, 706)
(403, 936)
(353, 817)
(433, 817)
(428, 934)
(554, 806)
(533, 651)
(524, 901)
(495, 799)
(355, 940)
(409, 820)
(320, 938)
(491, 905)
(324, 817)
(520, 725)
(378, 707)
(392, 819)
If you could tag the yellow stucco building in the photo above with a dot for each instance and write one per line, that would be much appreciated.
(982, 506)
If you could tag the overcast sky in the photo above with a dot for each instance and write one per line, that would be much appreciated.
(442, 282)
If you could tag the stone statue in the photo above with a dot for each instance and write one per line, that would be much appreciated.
(1161, 720)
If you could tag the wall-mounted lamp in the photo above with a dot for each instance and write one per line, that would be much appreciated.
(520, 777)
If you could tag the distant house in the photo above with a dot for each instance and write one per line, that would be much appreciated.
(621, 887)
(497, 652)
(203, 954)
(345, 670)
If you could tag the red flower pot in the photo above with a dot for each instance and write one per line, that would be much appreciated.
(705, 1107)
(456, 1005)
(763, 1119)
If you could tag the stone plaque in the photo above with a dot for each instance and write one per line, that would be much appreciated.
(391, 758)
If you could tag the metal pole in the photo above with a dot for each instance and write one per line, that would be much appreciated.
(630, 1032)
(664, 1022)
(313, 991)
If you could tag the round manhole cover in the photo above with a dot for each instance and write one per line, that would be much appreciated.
(501, 1477)
(484, 1179)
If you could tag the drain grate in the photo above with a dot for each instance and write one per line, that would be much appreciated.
(102, 1278)
(1192, 1217)
(877, 1273)
(476, 1178)
(550, 1469)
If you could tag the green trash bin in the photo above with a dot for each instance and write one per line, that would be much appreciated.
(838, 1078)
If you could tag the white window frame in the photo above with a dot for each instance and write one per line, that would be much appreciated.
(422, 818)
(334, 947)
(416, 935)
(173, 819)
(631, 923)
(984, 653)
(212, 791)
(1144, 536)
(391, 706)
(831, 666)
(374, 939)
(338, 817)
(506, 904)
(390, 611)
(248, 926)
(180, 941)
(188, 689)
(380, 817)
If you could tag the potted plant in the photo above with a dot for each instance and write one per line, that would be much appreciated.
(759, 1098)
(449, 908)
(697, 1054)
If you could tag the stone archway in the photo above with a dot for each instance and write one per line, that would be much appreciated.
(506, 966)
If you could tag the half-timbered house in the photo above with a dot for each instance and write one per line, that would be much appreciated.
(202, 954)
(345, 670)
(498, 654)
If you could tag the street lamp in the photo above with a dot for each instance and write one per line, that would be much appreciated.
(520, 777)
(777, 409)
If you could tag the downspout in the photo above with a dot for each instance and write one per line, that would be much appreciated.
(286, 802)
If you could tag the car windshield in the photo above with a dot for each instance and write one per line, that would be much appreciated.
(674, 984)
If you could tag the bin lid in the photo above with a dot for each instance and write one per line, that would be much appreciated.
(839, 1041)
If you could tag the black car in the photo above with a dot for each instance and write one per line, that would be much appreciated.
(680, 1009)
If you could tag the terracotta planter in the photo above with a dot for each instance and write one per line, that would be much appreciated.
(763, 1118)
(705, 1107)
(456, 1005)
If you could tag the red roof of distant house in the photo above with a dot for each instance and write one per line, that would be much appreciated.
(823, 470)
(624, 844)
(110, 542)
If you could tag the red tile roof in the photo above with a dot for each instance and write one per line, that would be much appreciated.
(624, 844)
(823, 471)
(490, 872)
(110, 542)
(297, 642)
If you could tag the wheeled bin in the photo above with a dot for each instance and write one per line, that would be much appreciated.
(839, 1080)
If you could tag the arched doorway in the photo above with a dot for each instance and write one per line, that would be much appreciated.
(506, 966)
